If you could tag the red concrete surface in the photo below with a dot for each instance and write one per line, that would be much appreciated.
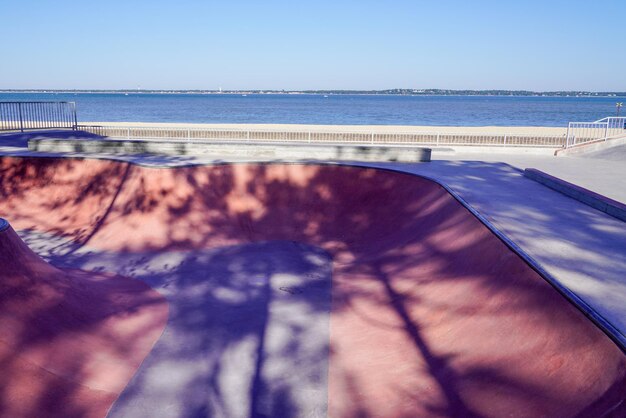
(431, 316)
(69, 340)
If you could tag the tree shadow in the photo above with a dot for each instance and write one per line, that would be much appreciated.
(585, 247)
(69, 339)
(431, 314)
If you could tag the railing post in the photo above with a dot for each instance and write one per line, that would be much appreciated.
(128, 133)
(75, 118)
(505, 139)
(372, 138)
(309, 137)
(19, 112)
(188, 134)
(437, 138)
(606, 130)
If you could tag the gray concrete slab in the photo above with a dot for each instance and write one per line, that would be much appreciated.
(215, 149)
(248, 331)
(617, 153)
(600, 175)
(596, 201)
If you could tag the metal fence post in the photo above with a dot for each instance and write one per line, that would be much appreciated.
(309, 137)
(128, 133)
(19, 112)
(75, 118)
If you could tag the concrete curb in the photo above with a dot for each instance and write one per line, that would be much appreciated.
(495, 149)
(602, 203)
(217, 149)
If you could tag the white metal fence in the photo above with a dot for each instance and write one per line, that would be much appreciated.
(318, 137)
(579, 133)
(25, 116)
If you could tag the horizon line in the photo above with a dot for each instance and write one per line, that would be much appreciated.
(424, 91)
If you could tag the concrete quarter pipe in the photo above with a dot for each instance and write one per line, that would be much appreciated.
(292, 290)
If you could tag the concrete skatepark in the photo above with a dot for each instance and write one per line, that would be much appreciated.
(289, 290)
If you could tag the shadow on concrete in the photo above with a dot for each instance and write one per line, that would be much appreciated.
(431, 314)
(581, 246)
(69, 340)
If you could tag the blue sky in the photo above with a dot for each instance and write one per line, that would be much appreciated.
(185, 44)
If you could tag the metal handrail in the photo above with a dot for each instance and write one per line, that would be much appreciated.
(23, 116)
(325, 137)
(579, 133)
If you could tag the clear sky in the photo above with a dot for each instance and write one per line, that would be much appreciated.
(319, 44)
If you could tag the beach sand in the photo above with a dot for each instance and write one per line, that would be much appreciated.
(502, 130)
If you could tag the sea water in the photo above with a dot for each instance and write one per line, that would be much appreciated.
(332, 109)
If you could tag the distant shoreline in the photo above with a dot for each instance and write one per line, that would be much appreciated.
(393, 92)
(318, 109)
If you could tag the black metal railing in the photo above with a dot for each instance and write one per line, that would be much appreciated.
(25, 116)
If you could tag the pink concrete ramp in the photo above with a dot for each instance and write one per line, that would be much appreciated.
(69, 340)
(311, 290)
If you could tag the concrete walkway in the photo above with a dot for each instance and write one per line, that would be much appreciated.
(584, 249)
(603, 173)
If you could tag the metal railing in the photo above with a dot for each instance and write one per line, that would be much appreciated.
(579, 133)
(320, 137)
(23, 116)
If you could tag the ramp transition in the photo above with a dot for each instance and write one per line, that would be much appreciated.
(312, 290)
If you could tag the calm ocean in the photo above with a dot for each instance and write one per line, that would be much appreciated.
(334, 109)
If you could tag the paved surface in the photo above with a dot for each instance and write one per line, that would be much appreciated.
(613, 154)
(69, 340)
(584, 249)
(243, 254)
(604, 173)
(581, 247)
(595, 200)
(248, 334)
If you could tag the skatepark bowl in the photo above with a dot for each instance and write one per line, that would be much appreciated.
(277, 290)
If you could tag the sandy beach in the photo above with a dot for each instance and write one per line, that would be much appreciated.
(474, 130)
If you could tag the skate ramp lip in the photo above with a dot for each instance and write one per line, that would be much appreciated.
(600, 321)
(406, 255)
